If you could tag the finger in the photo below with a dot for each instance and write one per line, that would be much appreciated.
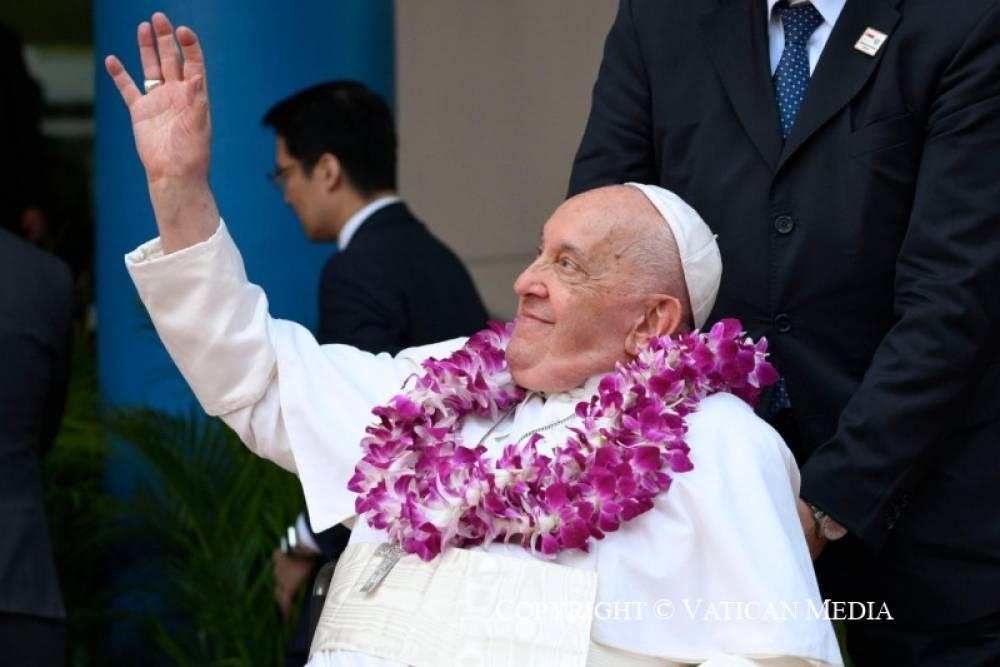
(147, 52)
(170, 55)
(125, 84)
(194, 58)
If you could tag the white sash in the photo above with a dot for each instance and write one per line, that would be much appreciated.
(465, 608)
(476, 609)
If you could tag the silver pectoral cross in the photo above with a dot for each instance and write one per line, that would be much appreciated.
(390, 555)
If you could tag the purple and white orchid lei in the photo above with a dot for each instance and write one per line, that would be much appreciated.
(429, 491)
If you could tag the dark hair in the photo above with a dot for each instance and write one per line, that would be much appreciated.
(345, 119)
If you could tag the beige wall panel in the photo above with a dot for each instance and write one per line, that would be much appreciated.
(492, 99)
(495, 280)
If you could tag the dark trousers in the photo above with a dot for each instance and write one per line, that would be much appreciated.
(297, 651)
(30, 641)
(332, 541)
(849, 571)
(974, 644)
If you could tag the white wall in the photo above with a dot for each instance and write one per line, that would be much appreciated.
(492, 98)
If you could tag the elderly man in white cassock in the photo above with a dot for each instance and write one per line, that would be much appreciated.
(587, 486)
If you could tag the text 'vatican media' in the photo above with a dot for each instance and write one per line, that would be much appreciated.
(698, 609)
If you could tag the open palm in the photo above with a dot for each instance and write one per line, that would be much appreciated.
(171, 122)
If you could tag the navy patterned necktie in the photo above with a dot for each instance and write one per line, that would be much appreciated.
(792, 75)
(790, 81)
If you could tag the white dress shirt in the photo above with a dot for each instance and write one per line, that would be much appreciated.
(355, 221)
(726, 533)
(828, 9)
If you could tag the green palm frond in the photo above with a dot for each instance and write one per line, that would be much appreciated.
(214, 512)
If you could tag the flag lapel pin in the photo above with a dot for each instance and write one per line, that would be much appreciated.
(870, 42)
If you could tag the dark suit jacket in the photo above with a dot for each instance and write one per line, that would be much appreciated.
(396, 286)
(866, 247)
(35, 311)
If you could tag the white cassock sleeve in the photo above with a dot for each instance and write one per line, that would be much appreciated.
(299, 404)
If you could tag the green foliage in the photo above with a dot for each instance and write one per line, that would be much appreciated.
(205, 514)
(82, 517)
(214, 513)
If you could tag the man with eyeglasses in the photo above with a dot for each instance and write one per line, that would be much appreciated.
(393, 284)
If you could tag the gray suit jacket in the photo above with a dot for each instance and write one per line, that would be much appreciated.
(35, 329)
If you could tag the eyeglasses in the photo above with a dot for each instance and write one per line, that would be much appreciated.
(279, 177)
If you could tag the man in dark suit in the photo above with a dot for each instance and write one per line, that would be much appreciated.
(847, 155)
(392, 285)
(35, 330)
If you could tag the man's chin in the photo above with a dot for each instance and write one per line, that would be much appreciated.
(525, 379)
(538, 379)
(519, 360)
(531, 375)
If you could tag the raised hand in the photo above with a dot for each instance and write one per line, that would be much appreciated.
(171, 122)
(173, 130)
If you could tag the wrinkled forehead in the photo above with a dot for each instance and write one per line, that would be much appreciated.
(582, 232)
(600, 222)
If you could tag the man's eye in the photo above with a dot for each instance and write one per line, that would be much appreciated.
(567, 263)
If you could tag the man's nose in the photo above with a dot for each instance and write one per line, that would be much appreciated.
(531, 282)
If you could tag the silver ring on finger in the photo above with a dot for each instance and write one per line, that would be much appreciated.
(149, 84)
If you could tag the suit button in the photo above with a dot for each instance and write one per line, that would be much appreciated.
(784, 224)
(782, 323)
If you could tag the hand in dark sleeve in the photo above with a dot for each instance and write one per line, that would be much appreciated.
(931, 362)
(617, 144)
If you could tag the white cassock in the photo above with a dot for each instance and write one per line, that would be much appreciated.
(718, 571)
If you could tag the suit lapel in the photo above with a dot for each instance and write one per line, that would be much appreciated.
(842, 70)
(736, 39)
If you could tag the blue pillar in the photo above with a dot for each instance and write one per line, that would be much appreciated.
(257, 52)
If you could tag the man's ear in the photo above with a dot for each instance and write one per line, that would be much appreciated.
(329, 171)
(662, 317)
